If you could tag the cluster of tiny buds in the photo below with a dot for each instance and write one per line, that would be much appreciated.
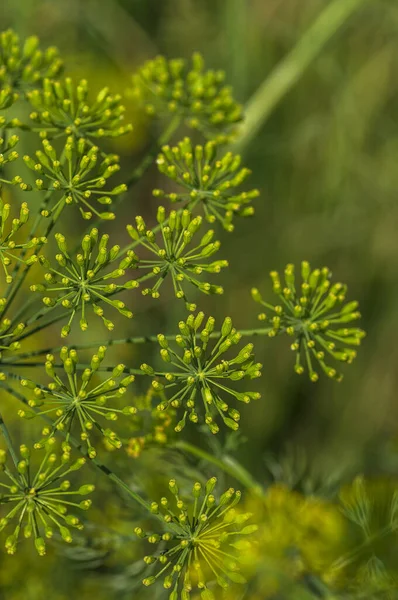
(40, 501)
(9, 247)
(73, 177)
(76, 402)
(86, 280)
(208, 179)
(177, 253)
(316, 315)
(64, 107)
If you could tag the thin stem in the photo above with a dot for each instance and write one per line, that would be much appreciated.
(227, 464)
(150, 339)
(292, 67)
(8, 441)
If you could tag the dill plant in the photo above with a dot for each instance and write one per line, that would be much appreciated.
(199, 533)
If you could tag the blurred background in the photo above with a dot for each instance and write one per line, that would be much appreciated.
(325, 161)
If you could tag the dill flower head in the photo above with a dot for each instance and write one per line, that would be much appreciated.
(316, 315)
(199, 373)
(9, 332)
(86, 280)
(10, 246)
(177, 254)
(64, 108)
(207, 180)
(197, 547)
(23, 66)
(36, 502)
(78, 175)
(200, 97)
(79, 401)
(7, 149)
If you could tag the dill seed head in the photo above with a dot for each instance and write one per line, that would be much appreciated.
(200, 97)
(197, 546)
(207, 180)
(315, 314)
(177, 253)
(86, 280)
(196, 382)
(77, 177)
(11, 249)
(22, 66)
(65, 108)
(37, 501)
(79, 401)
(9, 333)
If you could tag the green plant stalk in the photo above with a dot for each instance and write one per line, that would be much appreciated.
(227, 464)
(150, 339)
(8, 441)
(292, 67)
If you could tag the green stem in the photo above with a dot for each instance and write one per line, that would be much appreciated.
(227, 464)
(292, 67)
(150, 339)
(8, 441)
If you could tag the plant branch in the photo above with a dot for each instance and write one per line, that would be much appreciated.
(292, 67)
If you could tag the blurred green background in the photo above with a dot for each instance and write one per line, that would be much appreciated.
(325, 161)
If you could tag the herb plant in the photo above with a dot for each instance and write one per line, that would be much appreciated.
(73, 408)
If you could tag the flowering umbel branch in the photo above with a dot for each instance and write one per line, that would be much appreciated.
(199, 378)
(315, 314)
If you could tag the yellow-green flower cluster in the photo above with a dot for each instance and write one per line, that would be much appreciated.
(207, 180)
(7, 149)
(79, 401)
(78, 175)
(9, 246)
(37, 502)
(152, 428)
(298, 537)
(200, 97)
(64, 108)
(9, 332)
(174, 255)
(199, 372)
(316, 315)
(197, 548)
(86, 280)
(23, 66)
